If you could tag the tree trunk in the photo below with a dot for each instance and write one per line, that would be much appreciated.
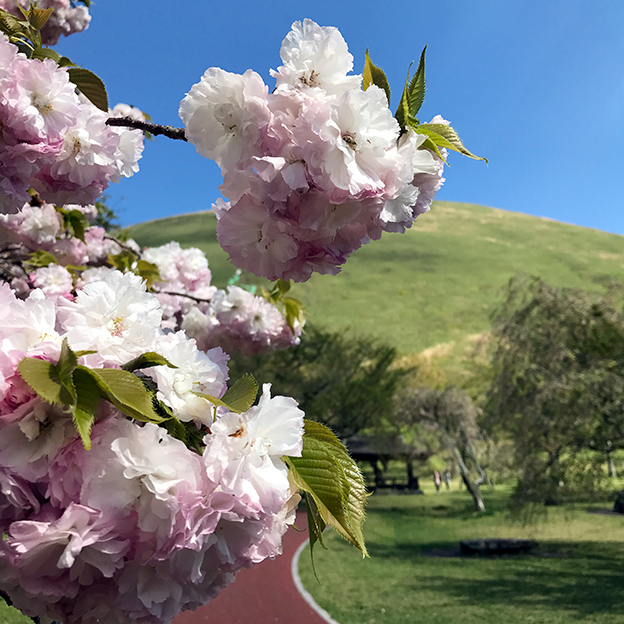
(471, 486)
(379, 478)
(611, 466)
(412, 481)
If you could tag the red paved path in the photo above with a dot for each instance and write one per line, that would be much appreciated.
(262, 594)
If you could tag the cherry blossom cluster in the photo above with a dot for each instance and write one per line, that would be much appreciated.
(312, 170)
(235, 320)
(65, 20)
(53, 139)
(139, 527)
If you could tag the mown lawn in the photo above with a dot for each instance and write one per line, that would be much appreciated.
(415, 575)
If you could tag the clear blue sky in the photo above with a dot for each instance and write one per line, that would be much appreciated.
(536, 87)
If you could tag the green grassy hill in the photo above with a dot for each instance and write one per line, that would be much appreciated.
(439, 282)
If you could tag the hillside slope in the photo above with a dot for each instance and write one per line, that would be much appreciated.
(437, 283)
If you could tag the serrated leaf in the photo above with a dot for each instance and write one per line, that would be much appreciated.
(88, 397)
(294, 311)
(242, 394)
(12, 26)
(316, 526)
(283, 286)
(444, 136)
(147, 360)
(38, 17)
(41, 258)
(43, 378)
(373, 75)
(416, 89)
(402, 112)
(46, 53)
(77, 223)
(148, 271)
(65, 62)
(91, 86)
(65, 369)
(431, 146)
(123, 261)
(214, 400)
(126, 392)
(327, 472)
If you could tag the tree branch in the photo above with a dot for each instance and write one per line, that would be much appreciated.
(155, 129)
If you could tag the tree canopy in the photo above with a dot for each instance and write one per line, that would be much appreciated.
(558, 385)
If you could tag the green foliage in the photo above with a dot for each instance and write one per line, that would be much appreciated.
(327, 474)
(558, 388)
(106, 216)
(413, 96)
(90, 85)
(293, 309)
(80, 389)
(345, 381)
(373, 75)
(41, 258)
(147, 360)
(242, 395)
(444, 136)
(74, 221)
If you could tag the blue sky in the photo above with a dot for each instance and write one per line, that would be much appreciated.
(536, 87)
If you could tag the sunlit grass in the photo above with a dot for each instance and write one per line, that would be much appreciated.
(415, 575)
(436, 283)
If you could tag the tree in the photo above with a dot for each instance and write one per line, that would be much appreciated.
(452, 414)
(558, 386)
(344, 381)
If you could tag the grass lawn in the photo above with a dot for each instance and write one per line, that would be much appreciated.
(413, 575)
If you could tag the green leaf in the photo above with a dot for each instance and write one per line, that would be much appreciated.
(327, 472)
(43, 378)
(241, 396)
(123, 261)
(416, 89)
(38, 17)
(41, 258)
(283, 286)
(374, 75)
(77, 223)
(402, 112)
(148, 271)
(294, 312)
(12, 26)
(65, 368)
(87, 403)
(316, 526)
(90, 86)
(147, 360)
(444, 136)
(212, 399)
(126, 392)
(65, 62)
(44, 53)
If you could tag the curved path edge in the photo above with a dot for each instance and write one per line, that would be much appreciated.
(305, 594)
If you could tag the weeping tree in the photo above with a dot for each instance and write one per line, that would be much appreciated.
(452, 415)
(558, 387)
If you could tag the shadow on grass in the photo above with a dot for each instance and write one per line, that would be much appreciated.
(584, 578)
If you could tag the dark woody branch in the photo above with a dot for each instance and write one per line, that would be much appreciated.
(155, 129)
